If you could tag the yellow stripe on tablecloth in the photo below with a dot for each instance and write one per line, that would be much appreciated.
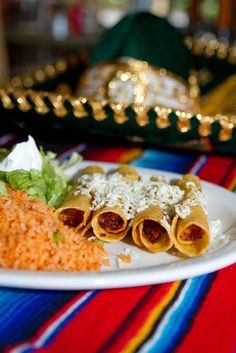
(130, 155)
(232, 185)
(151, 319)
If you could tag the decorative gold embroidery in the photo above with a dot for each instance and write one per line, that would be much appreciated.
(6, 100)
(22, 101)
(183, 123)
(57, 101)
(40, 76)
(226, 130)
(142, 118)
(119, 114)
(162, 120)
(200, 46)
(38, 100)
(28, 82)
(99, 113)
(205, 123)
(227, 123)
(137, 82)
(78, 107)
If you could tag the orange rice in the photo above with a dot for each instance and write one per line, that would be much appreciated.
(32, 238)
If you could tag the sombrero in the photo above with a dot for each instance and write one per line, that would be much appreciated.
(140, 84)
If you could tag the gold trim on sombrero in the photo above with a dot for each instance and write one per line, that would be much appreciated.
(119, 113)
(99, 113)
(38, 100)
(6, 99)
(42, 75)
(57, 101)
(44, 102)
(78, 106)
(212, 48)
(21, 100)
(131, 81)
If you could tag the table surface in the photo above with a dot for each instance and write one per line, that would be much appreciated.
(189, 316)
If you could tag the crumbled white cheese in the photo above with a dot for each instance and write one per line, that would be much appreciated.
(182, 210)
(192, 198)
(131, 195)
(129, 251)
(218, 237)
(165, 222)
(25, 155)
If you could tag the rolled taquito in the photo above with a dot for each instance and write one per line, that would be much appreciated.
(151, 230)
(110, 224)
(128, 172)
(191, 235)
(76, 211)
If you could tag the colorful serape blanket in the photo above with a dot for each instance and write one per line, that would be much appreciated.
(197, 315)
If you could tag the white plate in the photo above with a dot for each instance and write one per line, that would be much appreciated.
(146, 268)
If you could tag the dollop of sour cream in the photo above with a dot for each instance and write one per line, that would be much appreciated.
(25, 155)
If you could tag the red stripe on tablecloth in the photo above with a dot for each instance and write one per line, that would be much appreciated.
(216, 168)
(110, 154)
(213, 329)
(85, 331)
(141, 321)
(230, 177)
(73, 337)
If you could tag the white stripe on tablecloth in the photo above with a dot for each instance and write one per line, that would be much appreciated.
(53, 327)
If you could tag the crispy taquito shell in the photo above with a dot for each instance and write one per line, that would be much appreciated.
(76, 210)
(92, 169)
(191, 235)
(110, 223)
(115, 219)
(128, 172)
(189, 178)
(161, 239)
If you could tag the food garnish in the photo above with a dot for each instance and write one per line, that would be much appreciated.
(32, 170)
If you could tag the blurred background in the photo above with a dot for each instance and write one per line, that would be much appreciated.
(34, 33)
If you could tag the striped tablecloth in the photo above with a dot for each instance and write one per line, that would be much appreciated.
(197, 315)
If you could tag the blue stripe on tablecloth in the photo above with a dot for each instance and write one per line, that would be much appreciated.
(52, 330)
(168, 161)
(22, 312)
(176, 321)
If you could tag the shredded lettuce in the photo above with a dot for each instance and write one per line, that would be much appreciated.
(39, 184)
(51, 168)
(49, 184)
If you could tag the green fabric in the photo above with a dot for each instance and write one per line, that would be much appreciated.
(144, 36)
